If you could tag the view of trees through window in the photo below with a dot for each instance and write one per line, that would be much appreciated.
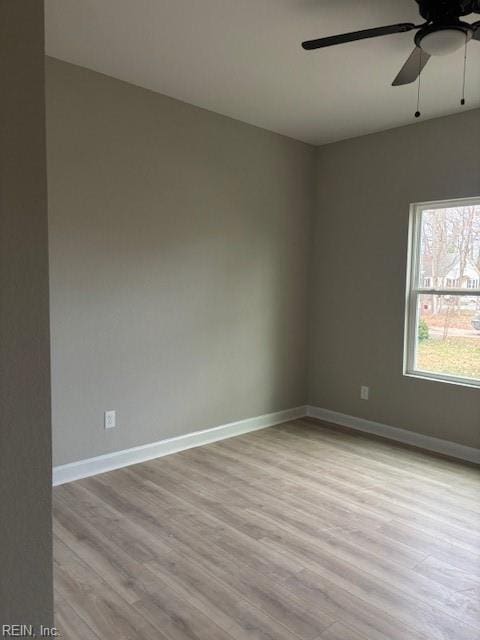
(448, 325)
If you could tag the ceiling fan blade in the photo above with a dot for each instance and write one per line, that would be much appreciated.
(412, 67)
(358, 35)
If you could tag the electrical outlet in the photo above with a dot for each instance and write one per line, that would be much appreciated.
(364, 393)
(110, 419)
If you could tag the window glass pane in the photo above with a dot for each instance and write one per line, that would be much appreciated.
(448, 335)
(450, 248)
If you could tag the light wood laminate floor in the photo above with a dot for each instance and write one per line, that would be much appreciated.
(295, 532)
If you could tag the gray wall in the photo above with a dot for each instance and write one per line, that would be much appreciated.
(179, 249)
(25, 464)
(365, 187)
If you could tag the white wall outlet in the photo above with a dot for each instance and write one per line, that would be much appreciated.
(110, 419)
(364, 393)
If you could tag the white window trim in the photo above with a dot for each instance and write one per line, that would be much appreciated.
(413, 291)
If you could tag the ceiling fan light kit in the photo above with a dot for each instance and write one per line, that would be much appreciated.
(441, 41)
(443, 33)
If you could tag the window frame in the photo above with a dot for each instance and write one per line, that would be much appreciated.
(413, 290)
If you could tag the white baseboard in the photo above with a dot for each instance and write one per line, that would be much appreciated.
(437, 445)
(110, 461)
(118, 459)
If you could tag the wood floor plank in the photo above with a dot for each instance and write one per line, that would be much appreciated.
(69, 624)
(388, 499)
(320, 512)
(383, 454)
(236, 560)
(428, 590)
(465, 581)
(437, 503)
(96, 550)
(431, 543)
(413, 611)
(377, 569)
(210, 593)
(423, 519)
(285, 610)
(298, 532)
(100, 608)
(339, 631)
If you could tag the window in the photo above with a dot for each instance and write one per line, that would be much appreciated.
(442, 336)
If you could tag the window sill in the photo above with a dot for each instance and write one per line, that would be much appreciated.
(432, 377)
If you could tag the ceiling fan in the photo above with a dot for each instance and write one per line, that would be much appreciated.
(443, 32)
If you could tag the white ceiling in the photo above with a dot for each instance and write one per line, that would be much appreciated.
(242, 58)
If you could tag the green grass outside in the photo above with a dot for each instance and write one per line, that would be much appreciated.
(455, 356)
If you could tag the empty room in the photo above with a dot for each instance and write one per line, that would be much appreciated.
(240, 319)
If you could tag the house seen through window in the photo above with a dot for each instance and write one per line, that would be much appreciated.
(443, 297)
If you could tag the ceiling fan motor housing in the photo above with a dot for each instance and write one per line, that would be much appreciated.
(446, 11)
(445, 32)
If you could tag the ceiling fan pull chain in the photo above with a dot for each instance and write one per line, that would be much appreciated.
(418, 112)
(462, 101)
